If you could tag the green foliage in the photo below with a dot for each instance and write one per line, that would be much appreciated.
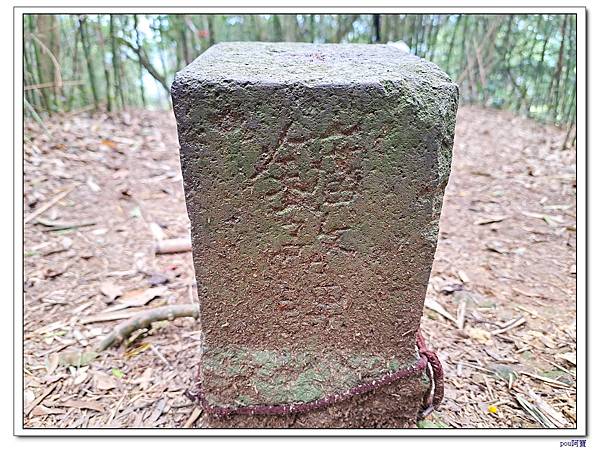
(524, 63)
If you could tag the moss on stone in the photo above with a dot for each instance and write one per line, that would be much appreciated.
(286, 376)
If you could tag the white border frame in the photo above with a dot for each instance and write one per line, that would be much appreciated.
(228, 8)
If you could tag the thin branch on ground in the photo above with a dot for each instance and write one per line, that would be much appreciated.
(179, 245)
(144, 320)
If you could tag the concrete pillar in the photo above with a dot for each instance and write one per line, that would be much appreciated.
(314, 177)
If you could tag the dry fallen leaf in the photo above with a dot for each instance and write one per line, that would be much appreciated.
(52, 363)
(109, 143)
(111, 291)
(92, 185)
(450, 288)
(81, 404)
(42, 410)
(80, 375)
(548, 342)
(543, 338)
(463, 276)
(480, 335)
(496, 246)
(104, 382)
(139, 298)
(569, 356)
(145, 380)
(158, 410)
(158, 279)
(51, 327)
(28, 396)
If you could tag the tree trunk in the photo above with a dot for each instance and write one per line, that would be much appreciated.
(570, 88)
(539, 69)
(104, 66)
(88, 59)
(418, 33)
(557, 74)
(376, 28)
(116, 62)
(29, 78)
(138, 43)
(344, 27)
(464, 41)
(46, 33)
(211, 29)
(257, 27)
(451, 46)
(38, 65)
(182, 29)
(277, 30)
(432, 40)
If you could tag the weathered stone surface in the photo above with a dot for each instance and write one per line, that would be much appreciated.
(314, 177)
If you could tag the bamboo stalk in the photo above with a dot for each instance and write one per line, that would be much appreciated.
(88, 59)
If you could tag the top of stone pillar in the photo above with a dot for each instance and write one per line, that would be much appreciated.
(309, 64)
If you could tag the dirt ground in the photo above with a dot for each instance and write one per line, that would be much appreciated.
(101, 190)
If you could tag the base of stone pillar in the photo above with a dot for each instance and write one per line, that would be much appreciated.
(393, 406)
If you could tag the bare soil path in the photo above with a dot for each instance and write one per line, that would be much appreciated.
(100, 189)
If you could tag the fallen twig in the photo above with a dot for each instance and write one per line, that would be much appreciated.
(192, 419)
(555, 417)
(546, 380)
(144, 319)
(558, 366)
(157, 231)
(39, 400)
(527, 310)
(514, 324)
(435, 306)
(483, 369)
(57, 226)
(155, 350)
(115, 410)
(534, 412)
(173, 246)
(109, 316)
(48, 204)
(460, 314)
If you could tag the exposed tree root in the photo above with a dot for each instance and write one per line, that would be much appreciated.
(144, 319)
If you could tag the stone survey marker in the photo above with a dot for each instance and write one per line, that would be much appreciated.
(314, 178)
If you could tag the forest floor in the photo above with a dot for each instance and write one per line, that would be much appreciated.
(99, 190)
